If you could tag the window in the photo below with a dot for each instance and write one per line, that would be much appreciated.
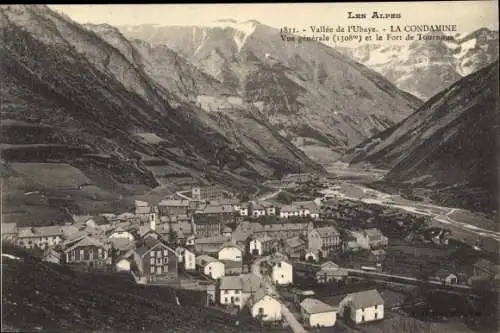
(279, 265)
(158, 254)
(225, 299)
(165, 253)
(226, 292)
(236, 299)
(237, 292)
(282, 276)
(362, 318)
(158, 261)
(158, 270)
(152, 253)
(165, 260)
(362, 309)
(165, 268)
(152, 269)
(376, 315)
(152, 261)
(81, 254)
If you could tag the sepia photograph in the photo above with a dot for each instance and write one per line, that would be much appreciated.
(272, 167)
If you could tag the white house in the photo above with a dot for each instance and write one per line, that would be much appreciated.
(122, 265)
(317, 314)
(260, 245)
(237, 290)
(294, 210)
(231, 289)
(258, 210)
(444, 276)
(210, 266)
(243, 210)
(371, 238)
(120, 233)
(363, 306)
(265, 307)
(186, 257)
(280, 271)
(230, 252)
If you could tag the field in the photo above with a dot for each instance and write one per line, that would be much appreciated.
(41, 297)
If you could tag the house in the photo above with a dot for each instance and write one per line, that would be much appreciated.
(190, 240)
(210, 266)
(294, 210)
(264, 307)
(317, 314)
(244, 210)
(279, 270)
(206, 225)
(41, 237)
(231, 288)
(211, 293)
(294, 247)
(237, 290)
(363, 306)
(370, 238)
(123, 262)
(9, 231)
(444, 276)
(227, 232)
(156, 262)
(210, 245)
(175, 223)
(284, 230)
(90, 251)
(258, 210)
(486, 268)
(230, 252)
(232, 267)
(52, 256)
(324, 239)
(120, 232)
(207, 193)
(312, 256)
(269, 207)
(330, 272)
(260, 245)
(173, 207)
(377, 255)
(223, 213)
(186, 258)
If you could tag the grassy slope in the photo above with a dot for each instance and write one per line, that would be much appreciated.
(37, 294)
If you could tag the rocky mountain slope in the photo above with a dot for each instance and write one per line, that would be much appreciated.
(318, 98)
(447, 145)
(424, 67)
(96, 112)
(42, 297)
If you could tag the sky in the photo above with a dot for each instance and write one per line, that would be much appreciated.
(467, 15)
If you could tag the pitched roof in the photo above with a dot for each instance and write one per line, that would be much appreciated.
(372, 232)
(204, 260)
(148, 246)
(251, 282)
(327, 231)
(329, 265)
(294, 242)
(247, 226)
(365, 299)
(231, 283)
(142, 210)
(232, 264)
(56, 230)
(216, 209)
(174, 203)
(87, 241)
(312, 305)
(122, 244)
(285, 226)
(442, 273)
(259, 294)
(139, 203)
(219, 239)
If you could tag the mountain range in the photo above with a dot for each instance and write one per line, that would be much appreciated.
(447, 146)
(317, 98)
(426, 67)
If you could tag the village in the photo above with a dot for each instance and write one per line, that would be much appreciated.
(260, 257)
